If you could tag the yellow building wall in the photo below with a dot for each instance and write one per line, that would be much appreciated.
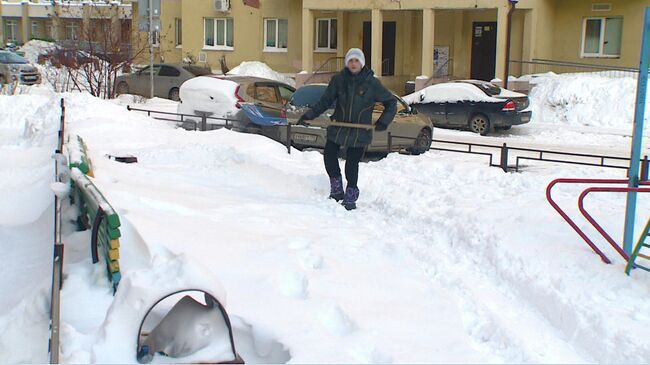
(248, 33)
(567, 37)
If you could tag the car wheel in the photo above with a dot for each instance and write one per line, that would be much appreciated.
(122, 88)
(174, 94)
(422, 142)
(480, 124)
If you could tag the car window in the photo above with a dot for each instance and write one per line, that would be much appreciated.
(8, 57)
(308, 96)
(168, 72)
(156, 68)
(266, 93)
(285, 94)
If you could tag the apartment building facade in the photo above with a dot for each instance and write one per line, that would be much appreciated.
(402, 39)
(61, 20)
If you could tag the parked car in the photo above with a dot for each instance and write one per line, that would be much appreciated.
(221, 96)
(14, 68)
(167, 79)
(409, 129)
(479, 106)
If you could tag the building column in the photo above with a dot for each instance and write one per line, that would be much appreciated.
(307, 40)
(377, 36)
(502, 36)
(26, 24)
(116, 24)
(428, 39)
(86, 30)
(2, 28)
(341, 47)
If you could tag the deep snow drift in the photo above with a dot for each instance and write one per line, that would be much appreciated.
(446, 260)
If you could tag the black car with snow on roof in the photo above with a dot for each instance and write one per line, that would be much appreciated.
(479, 106)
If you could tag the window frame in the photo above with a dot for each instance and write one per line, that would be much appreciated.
(275, 49)
(75, 29)
(11, 27)
(327, 49)
(601, 41)
(217, 47)
(178, 33)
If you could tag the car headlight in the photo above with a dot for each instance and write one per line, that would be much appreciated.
(14, 69)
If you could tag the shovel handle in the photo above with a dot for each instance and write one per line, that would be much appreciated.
(340, 124)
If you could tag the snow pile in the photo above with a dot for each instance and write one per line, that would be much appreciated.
(584, 100)
(451, 92)
(36, 47)
(28, 137)
(208, 94)
(138, 292)
(237, 207)
(260, 69)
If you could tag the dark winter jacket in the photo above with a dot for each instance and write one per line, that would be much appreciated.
(355, 97)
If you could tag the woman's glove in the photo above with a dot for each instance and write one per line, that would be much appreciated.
(380, 127)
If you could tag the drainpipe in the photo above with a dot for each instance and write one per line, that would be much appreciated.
(513, 5)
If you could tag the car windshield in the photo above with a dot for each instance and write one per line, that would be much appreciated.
(10, 58)
(198, 70)
(308, 96)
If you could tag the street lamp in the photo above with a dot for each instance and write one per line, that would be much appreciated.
(513, 5)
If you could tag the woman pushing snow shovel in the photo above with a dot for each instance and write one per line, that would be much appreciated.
(355, 90)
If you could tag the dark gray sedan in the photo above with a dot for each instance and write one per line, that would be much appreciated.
(479, 106)
(167, 80)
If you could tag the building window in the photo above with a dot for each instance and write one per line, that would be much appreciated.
(326, 34)
(72, 31)
(35, 32)
(218, 33)
(49, 30)
(276, 34)
(11, 29)
(179, 31)
(601, 37)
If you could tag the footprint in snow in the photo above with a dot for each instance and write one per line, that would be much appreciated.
(293, 285)
(310, 261)
(337, 321)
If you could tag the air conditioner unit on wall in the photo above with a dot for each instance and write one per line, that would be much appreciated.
(601, 7)
(222, 5)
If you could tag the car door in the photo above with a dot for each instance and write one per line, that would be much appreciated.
(140, 84)
(437, 112)
(166, 79)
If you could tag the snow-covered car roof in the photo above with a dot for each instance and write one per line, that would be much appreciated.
(450, 92)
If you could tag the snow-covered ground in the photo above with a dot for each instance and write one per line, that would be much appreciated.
(446, 259)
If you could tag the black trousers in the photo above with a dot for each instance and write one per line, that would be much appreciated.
(353, 156)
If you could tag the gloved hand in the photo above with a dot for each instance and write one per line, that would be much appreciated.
(301, 121)
(304, 118)
(380, 127)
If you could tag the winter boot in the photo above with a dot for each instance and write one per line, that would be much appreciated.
(336, 188)
(350, 199)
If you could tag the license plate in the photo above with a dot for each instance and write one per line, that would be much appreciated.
(304, 137)
(525, 119)
(29, 78)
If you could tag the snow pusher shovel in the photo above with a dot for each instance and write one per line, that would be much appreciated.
(322, 124)
(255, 114)
(187, 326)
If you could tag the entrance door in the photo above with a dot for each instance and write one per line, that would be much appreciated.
(389, 32)
(484, 50)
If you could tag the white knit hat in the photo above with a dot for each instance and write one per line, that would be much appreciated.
(355, 53)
